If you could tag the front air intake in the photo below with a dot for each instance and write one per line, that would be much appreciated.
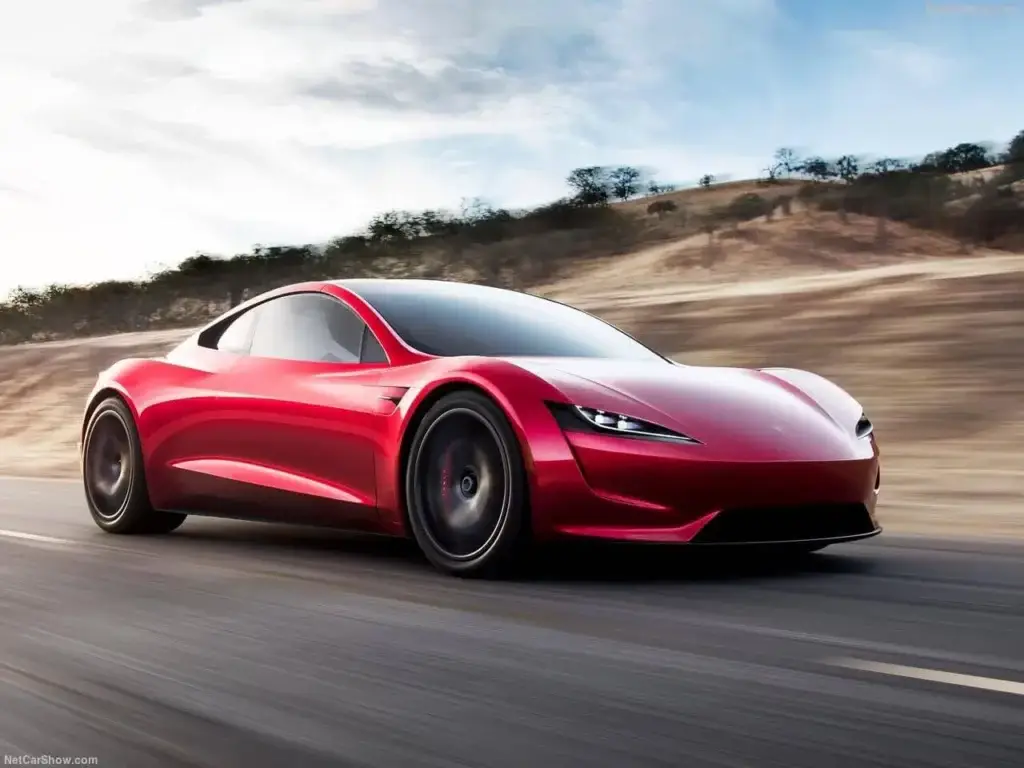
(759, 525)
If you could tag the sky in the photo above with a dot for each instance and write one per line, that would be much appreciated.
(137, 133)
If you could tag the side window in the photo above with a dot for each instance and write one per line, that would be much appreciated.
(345, 329)
(235, 338)
(372, 351)
(309, 327)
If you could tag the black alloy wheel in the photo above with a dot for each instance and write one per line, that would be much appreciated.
(114, 476)
(466, 487)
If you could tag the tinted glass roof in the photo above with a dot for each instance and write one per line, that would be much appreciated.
(447, 318)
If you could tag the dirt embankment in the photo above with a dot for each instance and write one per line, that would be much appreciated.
(931, 342)
(42, 395)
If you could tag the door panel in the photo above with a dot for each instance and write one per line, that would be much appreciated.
(281, 422)
(310, 431)
(194, 416)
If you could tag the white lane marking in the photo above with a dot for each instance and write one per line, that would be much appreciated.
(24, 536)
(38, 479)
(933, 675)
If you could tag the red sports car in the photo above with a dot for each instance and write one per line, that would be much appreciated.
(476, 420)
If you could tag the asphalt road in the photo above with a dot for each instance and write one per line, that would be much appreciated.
(231, 644)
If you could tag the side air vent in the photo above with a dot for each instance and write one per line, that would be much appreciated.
(864, 426)
(392, 395)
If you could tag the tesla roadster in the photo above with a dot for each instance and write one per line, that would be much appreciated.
(475, 420)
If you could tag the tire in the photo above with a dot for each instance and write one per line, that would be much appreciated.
(465, 488)
(114, 475)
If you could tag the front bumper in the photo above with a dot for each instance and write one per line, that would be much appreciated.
(608, 488)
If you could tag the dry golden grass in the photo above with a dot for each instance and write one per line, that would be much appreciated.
(699, 199)
(804, 244)
(930, 340)
(43, 388)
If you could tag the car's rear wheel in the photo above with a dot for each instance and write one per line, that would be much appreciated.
(114, 476)
(466, 489)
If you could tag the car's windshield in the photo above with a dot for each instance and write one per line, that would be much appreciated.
(451, 319)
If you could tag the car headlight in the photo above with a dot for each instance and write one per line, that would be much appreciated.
(596, 419)
(864, 426)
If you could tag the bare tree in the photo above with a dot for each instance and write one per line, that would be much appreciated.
(847, 168)
(786, 160)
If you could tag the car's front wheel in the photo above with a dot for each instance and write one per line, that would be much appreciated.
(114, 476)
(466, 489)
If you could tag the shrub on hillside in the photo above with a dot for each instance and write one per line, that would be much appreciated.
(746, 207)
(660, 207)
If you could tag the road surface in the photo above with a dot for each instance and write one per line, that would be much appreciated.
(231, 644)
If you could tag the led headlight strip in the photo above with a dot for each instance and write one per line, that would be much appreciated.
(620, 423)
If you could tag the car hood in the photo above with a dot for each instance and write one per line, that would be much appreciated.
(773, 414)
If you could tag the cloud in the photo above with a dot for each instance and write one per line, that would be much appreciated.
(146, 130)
(403, 87)
(149, 129)
(903, 61)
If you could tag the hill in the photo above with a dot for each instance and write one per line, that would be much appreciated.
(957, 200)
